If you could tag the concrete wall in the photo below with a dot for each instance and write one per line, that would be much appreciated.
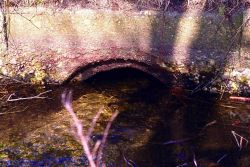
(2, 44)
(245, 55)
(58, 41)
(44, 28)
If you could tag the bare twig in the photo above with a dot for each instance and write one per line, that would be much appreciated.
(13, 79)
(194, 161)
(92, 126)
(239, 139)
(98, 147)
(209, 124)
(203, 85)
(223, 89)
(30, 20)
(105, 135)
(39, 96)
(129, 162)
(67, 102)
(185, 164)
(225, 155)
(227, 106)
(14, 112)
(243, 99)
(178, 141)
(2, 97)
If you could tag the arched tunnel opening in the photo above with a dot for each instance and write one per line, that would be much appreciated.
(122, 74)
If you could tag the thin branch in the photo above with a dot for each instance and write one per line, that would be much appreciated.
(98, 147)
(203, 85)
(14, 112)
(224, 156)
(39, 96)
(105, 135)
(209, 124)
(11, 78)
(178, 141)
(129, 162)
(185, 164)
(239, 140)
(2, 97)
(195, 161)
(30, 20)
(92, 126)
(243, 99)
(67, 102)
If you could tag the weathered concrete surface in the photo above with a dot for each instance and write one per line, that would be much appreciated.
(245, 56)
(2, 44)
(54, 43)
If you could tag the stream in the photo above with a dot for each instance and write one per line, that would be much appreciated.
(157, 125)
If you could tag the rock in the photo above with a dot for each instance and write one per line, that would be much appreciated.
(211, 62)
(235, 73)
(44, 67)
(4, 71)
(246, 73)
(31, 71)
(213, 90)
(1, 62)
(205, 89)
(13, 61)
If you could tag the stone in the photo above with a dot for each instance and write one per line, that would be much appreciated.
(214, 90)
(246, 73)
(13, 61)
(1, 63)
(44, 67)
(211, 62)
(4, 71)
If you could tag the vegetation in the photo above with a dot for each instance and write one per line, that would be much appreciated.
(229, 5)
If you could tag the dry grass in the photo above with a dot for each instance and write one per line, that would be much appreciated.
(135, 4)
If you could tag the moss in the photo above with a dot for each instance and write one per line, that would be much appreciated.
(3, 156)
(39, 74)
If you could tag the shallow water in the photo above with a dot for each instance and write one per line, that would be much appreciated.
(156, 126)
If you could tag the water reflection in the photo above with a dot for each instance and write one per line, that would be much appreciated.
(157, 125)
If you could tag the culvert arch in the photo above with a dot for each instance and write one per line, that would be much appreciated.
(145, 63)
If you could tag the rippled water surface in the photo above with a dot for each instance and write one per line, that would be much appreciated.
(156, 126)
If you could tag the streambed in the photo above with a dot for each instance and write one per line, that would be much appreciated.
(157, 125)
